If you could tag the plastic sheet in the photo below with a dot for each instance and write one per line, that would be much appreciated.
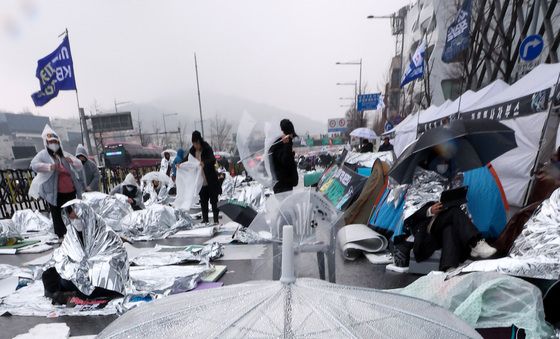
(169, 255)
(308, 308)
(367, 159)
(32, 221)
(112, 208)
(188, 182)
(486, 300)
(155, 222)
(100, 262)
(356, 239)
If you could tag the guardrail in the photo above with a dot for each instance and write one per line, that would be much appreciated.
(14, 188)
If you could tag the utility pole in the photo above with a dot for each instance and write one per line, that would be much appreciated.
(199, 102)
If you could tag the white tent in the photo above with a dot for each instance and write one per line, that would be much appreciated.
(514, 167)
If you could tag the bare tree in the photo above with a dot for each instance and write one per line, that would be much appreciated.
(220, 133)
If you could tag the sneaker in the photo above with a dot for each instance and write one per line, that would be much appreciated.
(482, 250)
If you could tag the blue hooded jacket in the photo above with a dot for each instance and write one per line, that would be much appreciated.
(178, 159)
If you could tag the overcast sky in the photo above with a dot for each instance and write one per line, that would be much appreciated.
(281, 53)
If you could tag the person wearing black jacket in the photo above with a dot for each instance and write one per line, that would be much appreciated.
(367, 146)
(450, 230)
(386, 146)
(283, 159)
(211, 187)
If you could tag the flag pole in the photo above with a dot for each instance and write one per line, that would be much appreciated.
(83, 123)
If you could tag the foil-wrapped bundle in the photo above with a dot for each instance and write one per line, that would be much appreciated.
(8, 229)
(112, 208)
(96, 258)
(32, 221)
(253, 195)
(367, 159)
(156, 196)
(155, 222)
(426, 186)
(184, 220)
(163, 256)
(246, 235)
(166, 280)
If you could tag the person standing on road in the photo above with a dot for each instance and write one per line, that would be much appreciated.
(283, 159)
(165, 166)
(90, 173)
(211, 187)
(385, 146)
(367, 146)
(58, 179)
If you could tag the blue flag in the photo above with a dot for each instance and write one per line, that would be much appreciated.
(55, 73)
(415, 68)
(458, 34)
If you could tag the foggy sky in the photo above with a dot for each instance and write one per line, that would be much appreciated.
(281, 53)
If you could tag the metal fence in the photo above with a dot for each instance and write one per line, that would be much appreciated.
(14, 188)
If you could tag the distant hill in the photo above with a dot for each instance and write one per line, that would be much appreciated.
(213, 104)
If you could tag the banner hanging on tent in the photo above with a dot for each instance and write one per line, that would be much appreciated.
(55, 73)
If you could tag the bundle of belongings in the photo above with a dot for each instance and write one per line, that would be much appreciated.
(27, 232)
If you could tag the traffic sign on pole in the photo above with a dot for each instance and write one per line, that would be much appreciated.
(531, 47)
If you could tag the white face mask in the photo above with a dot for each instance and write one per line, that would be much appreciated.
(53, 147)
(442, 168)
(78, 224)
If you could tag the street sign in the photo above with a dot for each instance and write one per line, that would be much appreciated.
(388, 126)
(368, 101)
(531, 47)
(111, 122)
(337, 125)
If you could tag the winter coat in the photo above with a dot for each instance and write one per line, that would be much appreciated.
(45, 183)
(90, 174)
(178, 159)
(283, 163)
(385, 148)
(209, 161)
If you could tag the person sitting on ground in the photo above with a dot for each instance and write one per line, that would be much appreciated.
(450, 230)
(130, 189)
(386, 146)
(367, 146)
(90, 174)
(88, 246)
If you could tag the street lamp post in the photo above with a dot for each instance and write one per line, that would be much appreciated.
(355, 84)
(355, 63)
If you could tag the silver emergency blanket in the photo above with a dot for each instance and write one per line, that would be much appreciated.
(426, 186)
(9, 230)
(155, 222)
(100, 262)
(308, 308)
(253, 195)
(367, 159)
(30, 272)
(246, 235)
(112, 208)
(184, 220)
(147, 187)
(32, 221)
(536, 251)
(31, 301)
(166, 279)
(486, 300)
(171, 255)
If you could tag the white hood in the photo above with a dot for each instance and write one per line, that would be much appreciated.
(50, 134)
(129, 180)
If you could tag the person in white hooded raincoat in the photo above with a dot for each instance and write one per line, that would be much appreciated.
(58, 177)
(130, 189)
(90, 174)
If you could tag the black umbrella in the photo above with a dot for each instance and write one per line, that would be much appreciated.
(466, 144)
(238, 211)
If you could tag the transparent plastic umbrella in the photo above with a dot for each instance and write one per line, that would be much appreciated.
(253, 141)
(289, 308)
(364, 133)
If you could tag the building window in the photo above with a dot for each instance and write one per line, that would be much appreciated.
(451, 88)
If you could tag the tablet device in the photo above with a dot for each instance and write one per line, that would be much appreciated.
(454, 197)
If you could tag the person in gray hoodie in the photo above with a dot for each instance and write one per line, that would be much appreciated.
(58, 178)
(90, 174)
